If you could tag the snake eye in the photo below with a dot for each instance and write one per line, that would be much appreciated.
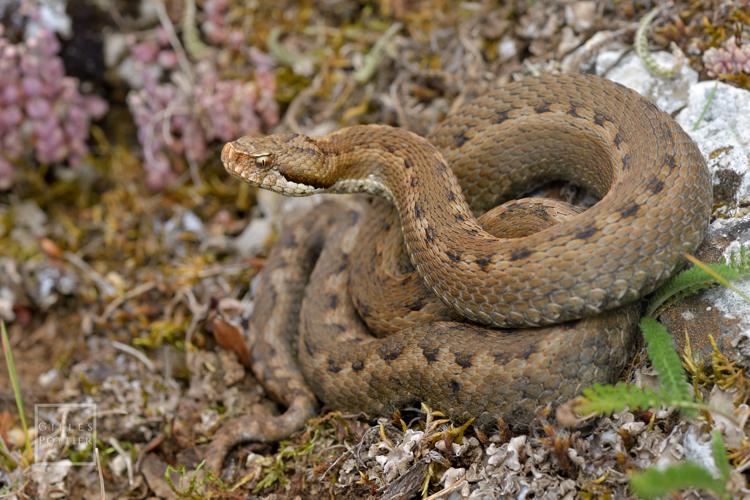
(263, 160)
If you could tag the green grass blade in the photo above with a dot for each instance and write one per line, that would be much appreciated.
(13, 375)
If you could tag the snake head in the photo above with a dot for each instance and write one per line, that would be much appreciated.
(290, 164)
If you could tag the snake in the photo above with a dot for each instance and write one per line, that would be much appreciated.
(448, 285)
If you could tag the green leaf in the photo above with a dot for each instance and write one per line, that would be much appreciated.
(655, 483)
(606, 399)
(672, 380)
(720, 455)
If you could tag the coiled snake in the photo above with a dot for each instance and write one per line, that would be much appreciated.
(361, 307)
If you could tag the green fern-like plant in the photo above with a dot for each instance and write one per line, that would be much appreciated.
(674, 390)
(657, 483)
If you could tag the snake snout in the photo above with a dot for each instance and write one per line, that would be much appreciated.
(229, 156)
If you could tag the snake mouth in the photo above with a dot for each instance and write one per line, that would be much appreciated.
(248, 167)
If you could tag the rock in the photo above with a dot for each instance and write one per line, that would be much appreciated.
(670, 94)
(580, 15)
(720, 125)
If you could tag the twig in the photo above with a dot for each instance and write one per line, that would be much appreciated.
(174, 40)
(135, 353)
(104, 287)
(373, 58)
(128, 462)
(102, 491)
(193, 43)
(290, 118)
(116, 303)
(444, 492)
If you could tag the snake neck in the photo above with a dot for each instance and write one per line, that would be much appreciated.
(437, 222)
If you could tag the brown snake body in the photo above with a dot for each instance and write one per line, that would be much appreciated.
(655, 205)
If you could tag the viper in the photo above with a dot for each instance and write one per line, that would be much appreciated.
(449, 289)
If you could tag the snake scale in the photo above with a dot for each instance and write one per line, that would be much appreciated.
(418, 297)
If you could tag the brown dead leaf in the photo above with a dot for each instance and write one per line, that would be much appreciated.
(229, 337)
(50, 248)
(6, 422)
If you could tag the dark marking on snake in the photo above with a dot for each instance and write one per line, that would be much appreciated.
(670, 162)
(618, 140)
(358, 365)
(389, 354)
(414, 182)
(460, 139)
(573, 111)
(501, 116)
(520, 253)
(600, 118)
(333, 301)
(453, 256)
(416, 305)
(544, 107)
(501, 357)
(455, 387)
(307, 151)
(408, 163)
(463, 359)
(364, 309)
(631, 210)
(586, 233)
(429, 234)
(451, 195)
(332, 366)
(625, 161)
(483, 262)
(655, 185)
(667, 134)
(418, 212)
(309, 347)
(430, 353)
(460, 218)
(342, 266)
(530, 349)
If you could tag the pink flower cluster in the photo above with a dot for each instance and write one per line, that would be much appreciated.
(41, 109)
(180, 107)
(216, 25)
(729, 59)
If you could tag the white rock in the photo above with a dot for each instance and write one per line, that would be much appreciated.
(669, 94)
(580, 15)
(727, 301)
(723, 132)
